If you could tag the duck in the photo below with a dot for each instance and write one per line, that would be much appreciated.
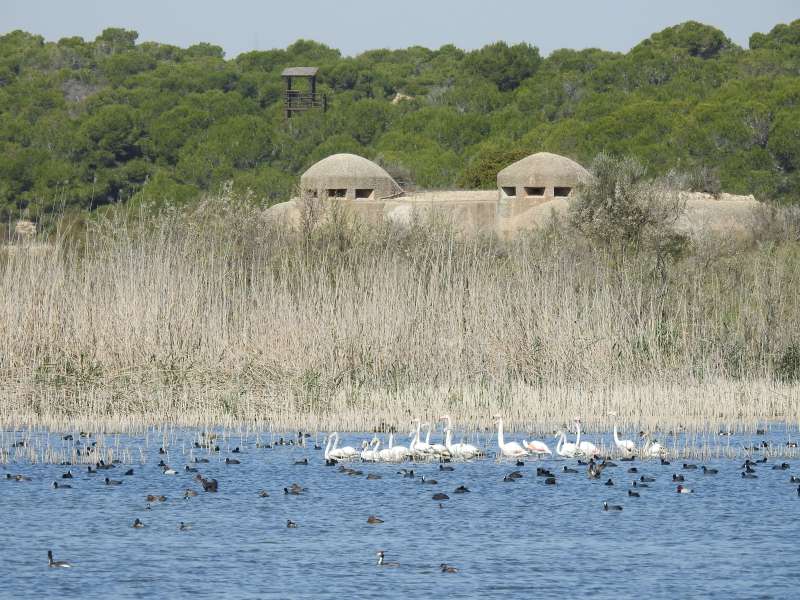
(633, 470)
(633, 494)
(303, 461)
(187, 493)
(611, 507)
(689, 466)
(429, 481)
(113, 481)
(461, 490)
(676, 477)
(232, 461)
(158, 498)
(209, 485)
(373, 520)
(665, 462)
(137, 524)
(794, 479)
(440, 496)
(189, 469)
(59, 486)
(749, 475)
(182, 526)
(609, 482)
(569, 470)
(67, 475)
(684, 490)
(446, 468)
(550, 481)
(445, 568)
(291, 524)
(373, 476)
(382, 562)
(781, 467)
(707, 471)
(169, 471)
(128, 473)
(56, 564)
(646, 479)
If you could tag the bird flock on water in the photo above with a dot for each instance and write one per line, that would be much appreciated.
(445, 452)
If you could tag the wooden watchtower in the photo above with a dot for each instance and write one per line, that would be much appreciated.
(299, 100)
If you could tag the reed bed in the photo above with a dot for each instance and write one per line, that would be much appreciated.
(218, 316)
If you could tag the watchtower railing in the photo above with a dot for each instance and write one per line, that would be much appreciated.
(297, 100)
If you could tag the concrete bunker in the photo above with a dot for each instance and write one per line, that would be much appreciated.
(348, 177)
(540, 176)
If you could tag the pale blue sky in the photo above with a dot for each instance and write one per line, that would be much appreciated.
(357, 25)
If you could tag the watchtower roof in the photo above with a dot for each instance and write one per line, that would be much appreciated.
(299, 72)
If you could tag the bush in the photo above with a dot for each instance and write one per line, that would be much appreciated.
(621, 210)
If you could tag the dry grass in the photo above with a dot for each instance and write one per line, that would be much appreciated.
(219, 317)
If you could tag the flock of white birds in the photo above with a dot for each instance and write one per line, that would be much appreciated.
(418, 449)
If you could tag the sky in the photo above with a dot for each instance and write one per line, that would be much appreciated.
(353, 26)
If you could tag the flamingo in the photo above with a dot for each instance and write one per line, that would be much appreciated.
(565, 448)
(588, 448)
(653, 449)
(461, 450)
(344, 453)
(437, 449)
(511, 449)
(536, 447)
(368, 455)
(418, 447)
(388, 454)
(624, 445)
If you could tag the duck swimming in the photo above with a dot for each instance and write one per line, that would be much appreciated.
(58, 564)
(382, 562)
(137, 524)
(373, 520)
(684, 490)
(611, 507)
(445, 568)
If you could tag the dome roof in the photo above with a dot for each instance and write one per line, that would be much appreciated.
(345, 165)
(543, 167)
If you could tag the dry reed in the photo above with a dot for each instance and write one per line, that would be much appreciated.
(218, 316)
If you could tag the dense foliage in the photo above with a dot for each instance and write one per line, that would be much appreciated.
(88, 123)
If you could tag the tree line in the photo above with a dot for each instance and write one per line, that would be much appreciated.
(85, 124)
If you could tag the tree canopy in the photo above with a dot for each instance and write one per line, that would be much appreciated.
(88, 123)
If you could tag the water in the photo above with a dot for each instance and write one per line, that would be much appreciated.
(732, 538)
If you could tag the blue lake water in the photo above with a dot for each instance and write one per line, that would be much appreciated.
(731, 538)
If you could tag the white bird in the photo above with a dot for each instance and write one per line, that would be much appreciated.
(653, 449)
(536, 447)
(588, 448)
(169, 471)
(387, 454)
(460, 450)
(565, 448)
(437, 449)
(367, 453)
(333, 452)
(418, 447)
(510, 449)
(624, 445)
